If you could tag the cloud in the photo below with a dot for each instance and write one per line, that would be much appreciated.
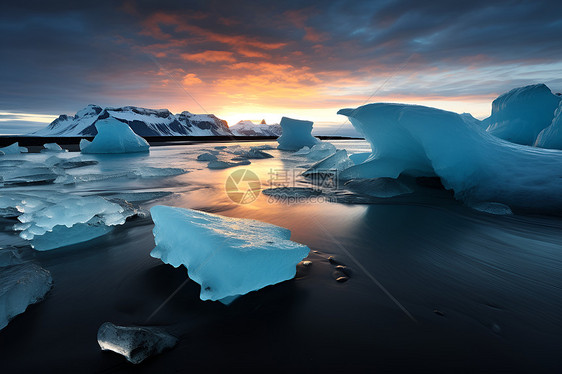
(191, 79)
(59, 56)
(209, 56)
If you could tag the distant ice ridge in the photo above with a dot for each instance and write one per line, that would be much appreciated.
(521, 114)
(114, 137)
(479, 167)
(228, 257)
(20, 286)
(248, 128)
(144, 122)
(296, 134)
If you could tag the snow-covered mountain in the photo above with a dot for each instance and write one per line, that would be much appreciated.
(248, 128)
(144, 122)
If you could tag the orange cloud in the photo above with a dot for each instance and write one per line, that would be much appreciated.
(209, 56)
(191, 79)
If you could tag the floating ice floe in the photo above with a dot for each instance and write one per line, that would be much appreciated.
(421, 141)
(207, 156)
(52, 148)
(295, 134)
(20, 286)
(51, 220)
(13, 149)
(218, 164)
(252, 153)
(522, 113)
(114, 137)
(551, 136)
(135, 343)
(317, 152)
(228, 257)
(331, 165)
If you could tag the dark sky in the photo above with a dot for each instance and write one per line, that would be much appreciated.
(264, 59)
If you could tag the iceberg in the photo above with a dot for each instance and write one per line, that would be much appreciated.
(228, 257)
(479, 167)
(551, 136)
(20, 286)
(136, 343)
(114, 137)
(522, 113)
(295, 134)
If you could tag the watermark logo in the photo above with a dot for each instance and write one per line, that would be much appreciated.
(242, 186)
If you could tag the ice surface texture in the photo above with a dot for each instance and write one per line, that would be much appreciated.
(115, 137)
(296, 134)
(20, 286)
(226, 256)
(135, 343)
(478, 166)
(551, 137)
(522, 113)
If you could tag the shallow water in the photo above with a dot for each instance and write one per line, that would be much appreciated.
(434, 284)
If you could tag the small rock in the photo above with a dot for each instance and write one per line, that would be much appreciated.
(333, 260)
(306, 263)
(342, 279)
(135, 343)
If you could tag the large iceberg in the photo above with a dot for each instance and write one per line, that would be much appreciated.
(114, 137)
(20, 286)
(228, 257)
(296, 134)
(551, 137)
(522, 113)
(479, 167)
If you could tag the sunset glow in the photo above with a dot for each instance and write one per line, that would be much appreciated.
(301, 60)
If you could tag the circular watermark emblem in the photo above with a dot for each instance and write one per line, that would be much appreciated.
(242, 186)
